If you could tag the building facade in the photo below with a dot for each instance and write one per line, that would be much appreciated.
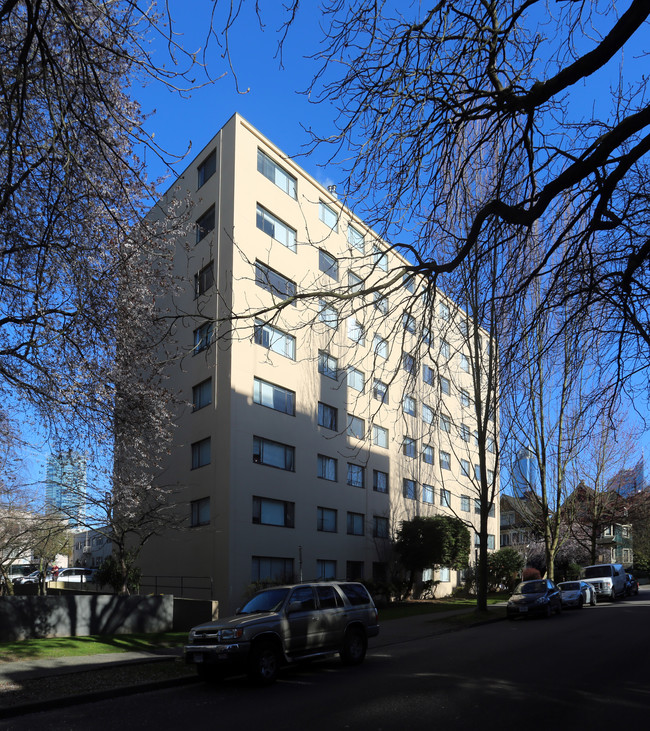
(65, 485)
(317, 424)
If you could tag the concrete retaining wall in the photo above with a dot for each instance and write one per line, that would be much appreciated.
(70, 615)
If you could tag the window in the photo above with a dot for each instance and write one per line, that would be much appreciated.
(326, 569)
(380, 436)
(356, 427)
(408, 363)
(409, 489)
(356, 475)
(273, 512)
(379, 527)
(326, 520)
(274, 282)
(355, 239)
(490, 542)
(477, 472)
(355, 379)
(356, 331)
(271, 568)
(327, 468)
(353, 572)
(274, 397)
(380, 391)
(464, 467)
(444, 574)
(327, 416)
(408, 447)
(202, 394)
(477, 506)
(489, 443)
(428, 414)
(327, 365)
(445, 386)
(355, 524)
(464, 432)
(355, 283)
(276, 174)
(379, 481)
(463, 328)
(275, 228)
(445, 423)
(200, 512)
(445, 498)
(408, 405)
(427, 494)
(380, 302)
(204, 280)
(464, 362)
(409, 283)
(408, 323)
(464, 397)
(380, 346)
(427, 454)
(443, 311)
(328, 216)
(201, 453)
(464, 503)
(426, 336)
(205, 224)
(328, 265)
(207, 168)
(328, 314)
(203, 336)
(275, 340)
(273, 454)
(445, 460)
(428, 375)
(379, 258)
(445, 350)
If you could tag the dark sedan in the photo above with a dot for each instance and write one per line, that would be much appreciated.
(536, 597)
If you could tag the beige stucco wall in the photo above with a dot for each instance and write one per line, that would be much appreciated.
(223, 549)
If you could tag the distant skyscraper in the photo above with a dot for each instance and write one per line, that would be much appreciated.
(524, 473)
(65, 484)
(628, 482)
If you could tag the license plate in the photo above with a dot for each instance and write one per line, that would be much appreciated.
(523, 609)
(197, 656)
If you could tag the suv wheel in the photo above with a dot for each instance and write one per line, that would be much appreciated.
(354, 647)
(264, 663)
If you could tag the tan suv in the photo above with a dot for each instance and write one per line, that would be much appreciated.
(285, 624)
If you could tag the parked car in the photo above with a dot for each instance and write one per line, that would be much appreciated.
(536, 597)
(74, 574)
(631, 586)
(286, 624)
(608, 579)
(577, 594)
(29, 579)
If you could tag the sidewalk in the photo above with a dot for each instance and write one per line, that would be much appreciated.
(33, 685)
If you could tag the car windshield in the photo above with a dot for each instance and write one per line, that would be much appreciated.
(531, 587)
(593, 572)
(266, 601)
(570, 586)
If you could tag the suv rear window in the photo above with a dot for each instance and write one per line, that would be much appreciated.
(356, 593)
(328, 597)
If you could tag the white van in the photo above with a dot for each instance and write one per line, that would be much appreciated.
(608, 579)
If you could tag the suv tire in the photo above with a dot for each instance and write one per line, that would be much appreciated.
(355, 644)
(264, 663)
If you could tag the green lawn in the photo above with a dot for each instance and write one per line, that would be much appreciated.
(399, 610)
(92, 645)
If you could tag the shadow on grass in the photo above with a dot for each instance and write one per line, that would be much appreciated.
(91, 645)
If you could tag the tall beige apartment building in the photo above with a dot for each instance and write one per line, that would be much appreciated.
(316, 424)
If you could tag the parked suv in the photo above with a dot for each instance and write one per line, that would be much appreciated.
(285, 624)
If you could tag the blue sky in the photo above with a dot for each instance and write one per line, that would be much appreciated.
(266, 95)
